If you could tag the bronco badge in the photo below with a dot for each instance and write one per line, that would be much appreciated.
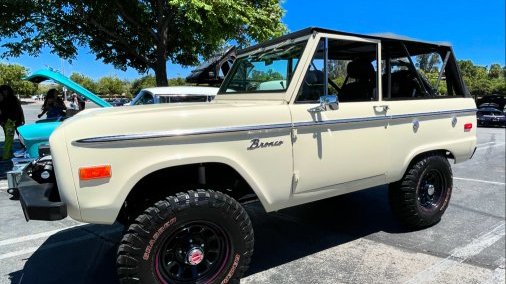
(255, 144)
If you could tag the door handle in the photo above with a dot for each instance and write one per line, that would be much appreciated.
(384, 107)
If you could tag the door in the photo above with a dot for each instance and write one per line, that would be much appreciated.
(344, 149)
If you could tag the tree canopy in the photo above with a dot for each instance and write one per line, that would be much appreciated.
(12, 75)
(136, 33)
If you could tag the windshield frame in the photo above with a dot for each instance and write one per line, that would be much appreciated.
(267, 94)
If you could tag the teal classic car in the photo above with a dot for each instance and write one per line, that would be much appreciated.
(33, 135)
(36, 135)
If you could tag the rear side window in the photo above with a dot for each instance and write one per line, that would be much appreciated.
(419, 71)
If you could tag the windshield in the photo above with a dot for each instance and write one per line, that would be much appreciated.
(264, 71)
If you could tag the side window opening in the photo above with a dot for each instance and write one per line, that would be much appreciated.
(351, 72)
(417, 71)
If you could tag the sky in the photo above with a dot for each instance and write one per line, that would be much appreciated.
(476, 29)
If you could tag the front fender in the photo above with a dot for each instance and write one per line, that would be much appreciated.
(101, 200)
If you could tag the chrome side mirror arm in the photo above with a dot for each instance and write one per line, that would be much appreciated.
(327, 102)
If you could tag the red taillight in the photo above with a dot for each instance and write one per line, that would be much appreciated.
(468, 127)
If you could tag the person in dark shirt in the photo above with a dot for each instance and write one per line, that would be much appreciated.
(53, 105)
(11, 116)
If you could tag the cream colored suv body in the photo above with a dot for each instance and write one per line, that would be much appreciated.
(360, 145)
(280, 132)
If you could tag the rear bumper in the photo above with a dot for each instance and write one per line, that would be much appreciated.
(40, 201)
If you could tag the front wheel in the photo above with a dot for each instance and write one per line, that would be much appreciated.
(423, 194)
(194, 237)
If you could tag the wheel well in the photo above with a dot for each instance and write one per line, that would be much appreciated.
(169, 181)
(441, 152)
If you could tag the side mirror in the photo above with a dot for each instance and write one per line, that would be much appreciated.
(327, 102)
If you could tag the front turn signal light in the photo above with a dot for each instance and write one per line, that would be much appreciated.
(95, 172)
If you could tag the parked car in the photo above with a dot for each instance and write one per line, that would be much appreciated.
(489, 105)
(490, 117)
(118, 102)
(176, 94)
(299, 118)
(36, 135)
(214, 70)
(32, 135)
(498, 101)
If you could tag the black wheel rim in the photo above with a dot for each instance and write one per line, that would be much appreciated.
(431, 190)
(195, 253)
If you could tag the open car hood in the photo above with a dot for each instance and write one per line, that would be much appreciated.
(47, 74)
(209, 71)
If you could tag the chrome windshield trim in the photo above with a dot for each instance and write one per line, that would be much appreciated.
(232, 129)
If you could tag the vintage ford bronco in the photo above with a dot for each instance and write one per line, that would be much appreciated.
(310, 115)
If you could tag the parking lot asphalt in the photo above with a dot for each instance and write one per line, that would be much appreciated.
(353, 238)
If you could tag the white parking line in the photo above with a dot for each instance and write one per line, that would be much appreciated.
(483, 144)
(480, 180)
(490, 146)
(34, 236)
(460, 254)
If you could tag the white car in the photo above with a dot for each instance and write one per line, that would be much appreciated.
(307, 116)
(175, 94)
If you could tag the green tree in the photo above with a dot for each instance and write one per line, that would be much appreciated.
(147, 81)
(422, 62)
(428, 62)
(178, 81)
(84, 81)
(137, 33)
(495, 71)
(12, 75)
(110, 85)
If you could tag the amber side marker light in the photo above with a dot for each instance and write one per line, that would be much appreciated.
(95, 172)
(468, 127)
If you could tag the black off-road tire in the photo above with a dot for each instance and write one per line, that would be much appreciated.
(205, 227)
(410, 197)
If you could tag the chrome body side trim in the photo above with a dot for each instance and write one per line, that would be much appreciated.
(232, 129)
(188, 132)
(435, 113)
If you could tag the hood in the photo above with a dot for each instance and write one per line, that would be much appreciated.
(47, 74)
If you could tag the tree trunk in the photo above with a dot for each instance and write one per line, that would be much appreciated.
(160, 69)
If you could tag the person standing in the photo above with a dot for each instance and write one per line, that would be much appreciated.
(11, 116)
(53, 105)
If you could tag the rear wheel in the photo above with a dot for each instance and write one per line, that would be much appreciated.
(194, 237)
(423, 194)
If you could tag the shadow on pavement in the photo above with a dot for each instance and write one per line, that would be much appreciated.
(87, 254)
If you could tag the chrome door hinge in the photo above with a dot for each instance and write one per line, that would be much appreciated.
(294, 134)
(295, 181)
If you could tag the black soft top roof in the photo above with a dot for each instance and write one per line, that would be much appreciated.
(311, 30)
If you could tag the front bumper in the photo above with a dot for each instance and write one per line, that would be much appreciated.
(38, 192)
(20, 161)
(40, 201)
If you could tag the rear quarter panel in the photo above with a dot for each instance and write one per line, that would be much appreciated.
(440, 128)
